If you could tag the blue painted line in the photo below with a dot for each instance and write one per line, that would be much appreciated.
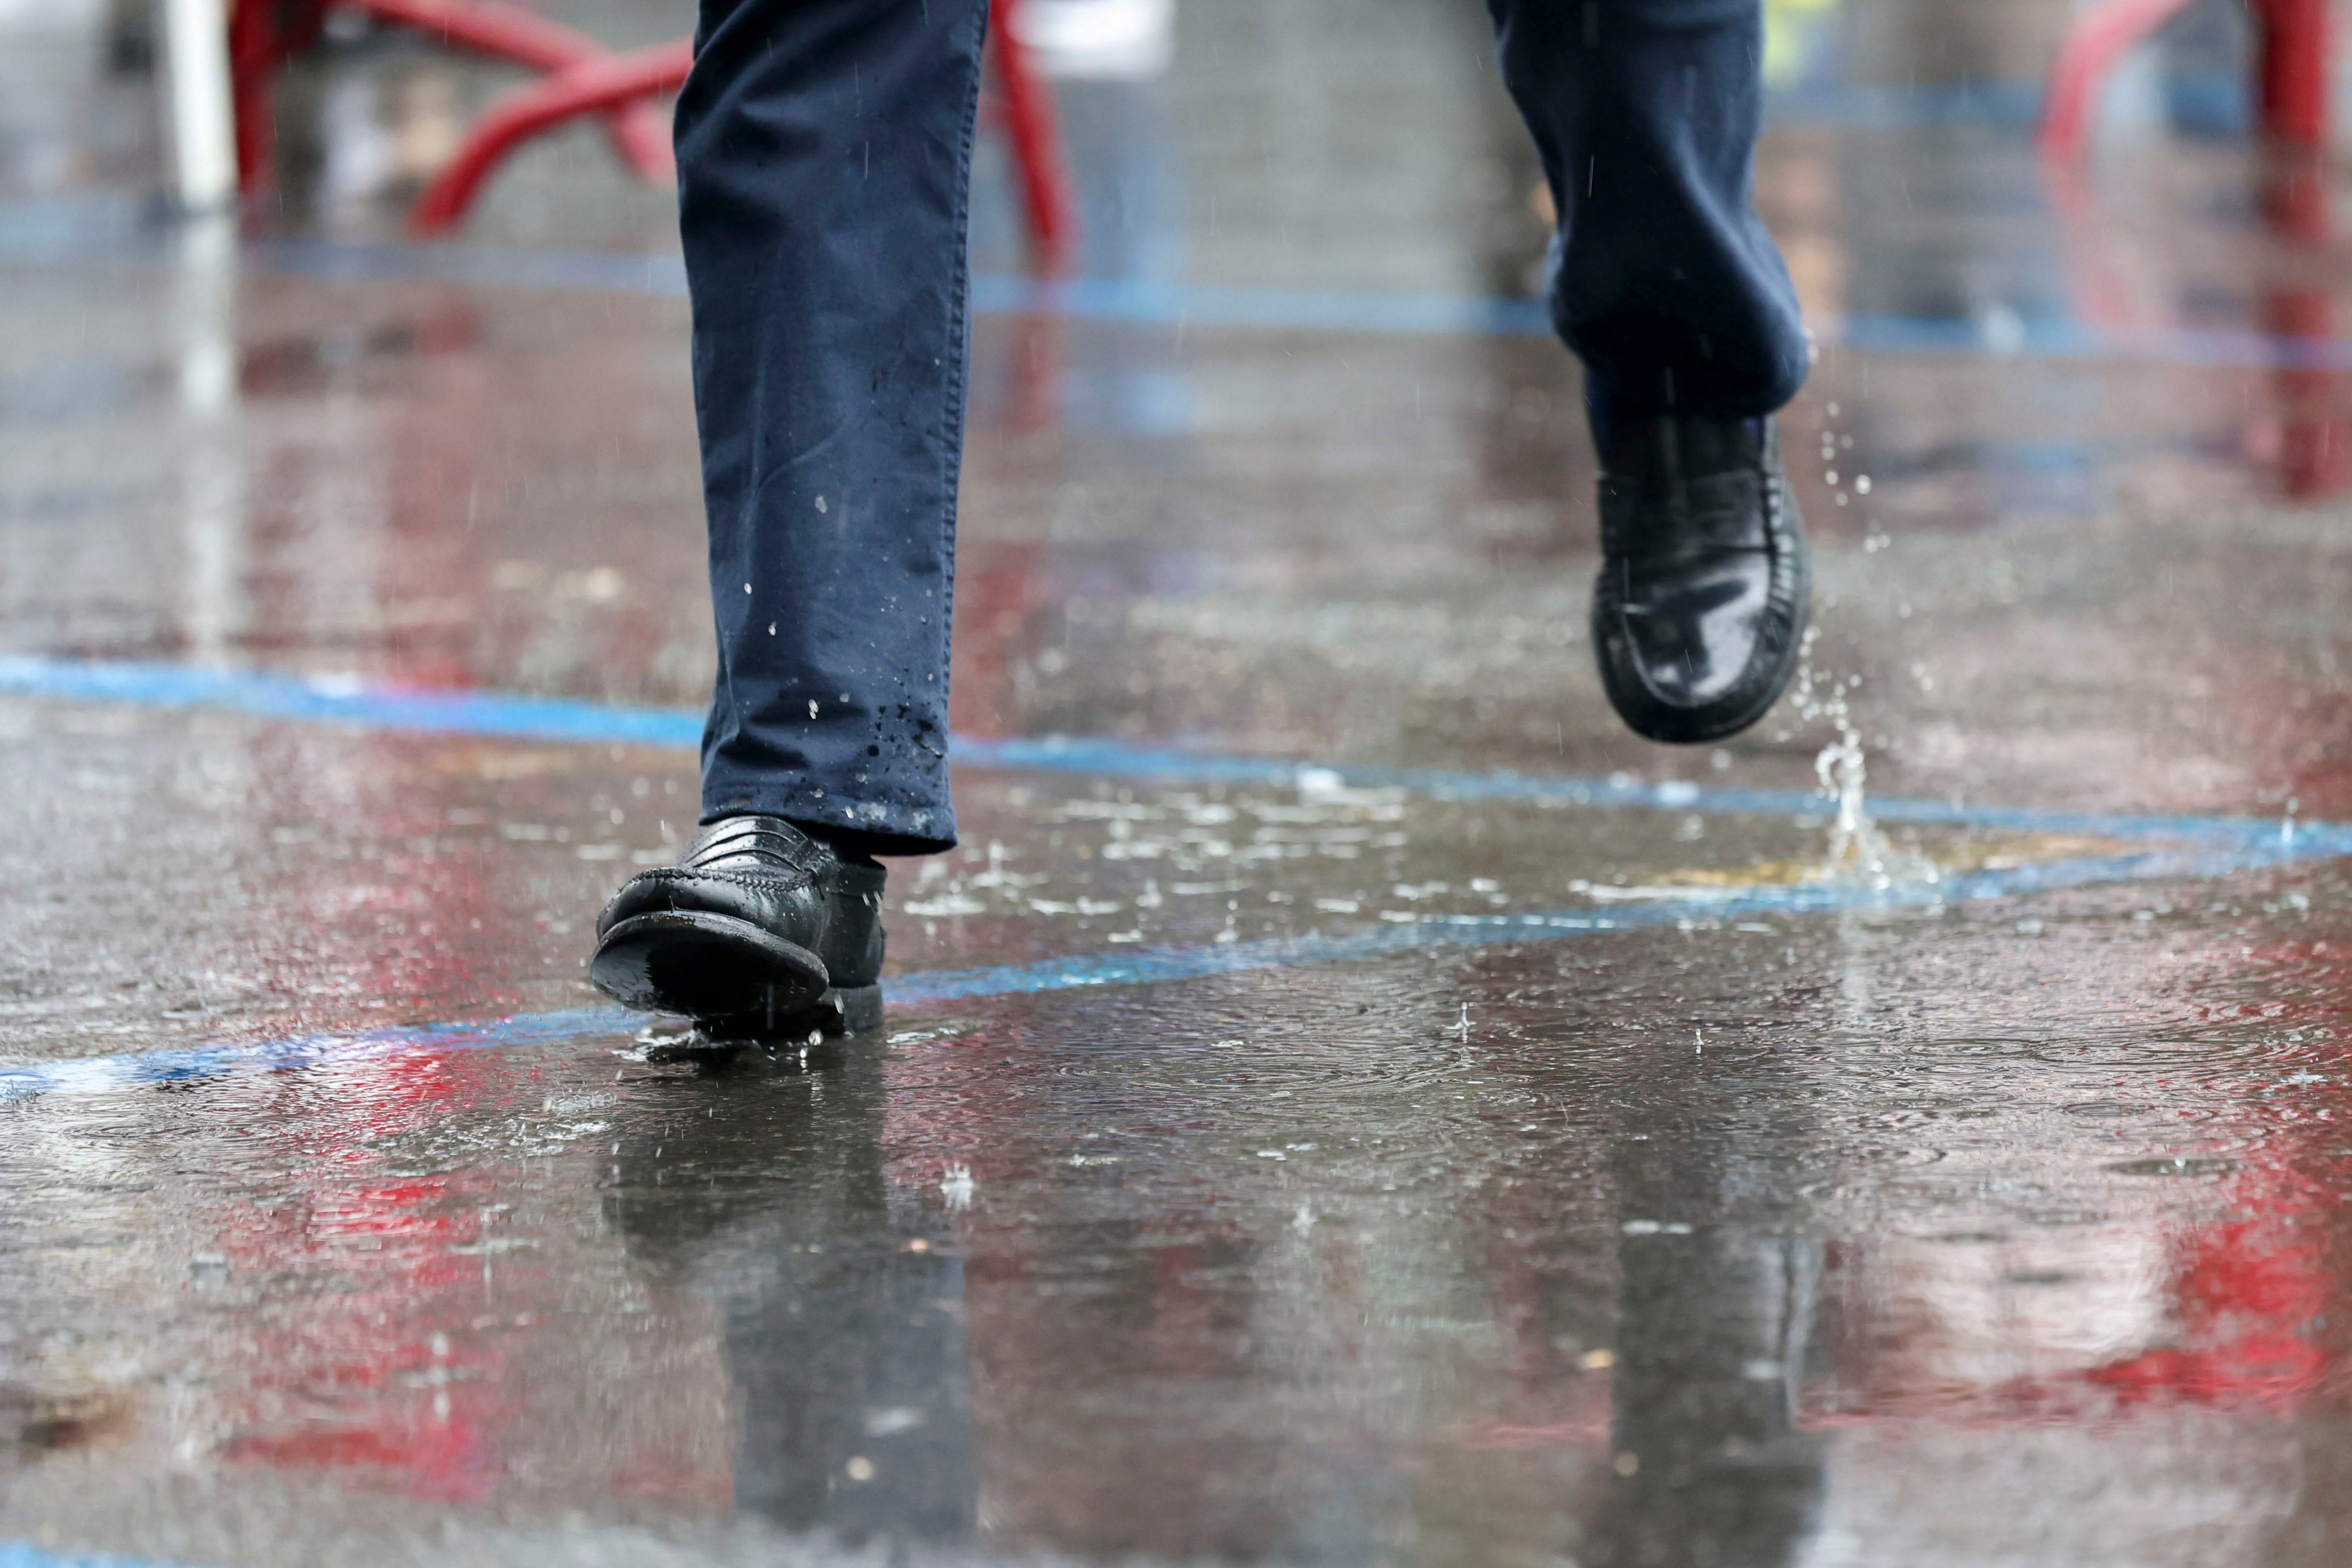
(1281, 309)
(2063, 340)
(1169, 305)
(149, 1069)
(1160, 965)
(1850, 106)
(327, 699)
(24, 1555)
(1091, 299)
(662, 276)
(511, 716)
(1138, 303)
(1122, 759)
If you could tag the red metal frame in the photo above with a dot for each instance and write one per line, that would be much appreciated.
(606, 84)
(639, 133)
(2292, 75)
(584, 77)
(1036, 140)
(265, 34)
(2290, 71)
(593, 87)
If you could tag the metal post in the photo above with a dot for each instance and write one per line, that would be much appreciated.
(197, 104)
(203, 309)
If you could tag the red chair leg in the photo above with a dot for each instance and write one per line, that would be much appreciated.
(2291, 71)
(508, 32)
(1036, 138)
(252, 62)
(594, 87)
(262, 35)
(614, 82)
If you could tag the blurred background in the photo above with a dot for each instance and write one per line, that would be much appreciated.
(1345, 144)
(1260, 373)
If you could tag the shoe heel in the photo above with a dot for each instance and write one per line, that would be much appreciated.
(857, 1010)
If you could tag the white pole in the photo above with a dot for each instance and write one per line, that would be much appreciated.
(197, 102)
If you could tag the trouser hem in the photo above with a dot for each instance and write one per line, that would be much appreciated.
(881, 827)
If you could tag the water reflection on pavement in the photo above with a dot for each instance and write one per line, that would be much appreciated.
(1765, 1246)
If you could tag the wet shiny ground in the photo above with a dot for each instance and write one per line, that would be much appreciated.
(1347, 1103)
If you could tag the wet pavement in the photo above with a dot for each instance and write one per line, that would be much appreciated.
(1347, 1102)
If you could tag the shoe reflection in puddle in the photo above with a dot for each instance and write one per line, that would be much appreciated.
(1714, 1323)
(762, 1186)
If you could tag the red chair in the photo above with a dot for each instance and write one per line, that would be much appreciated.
(582, 78)
(265, 34)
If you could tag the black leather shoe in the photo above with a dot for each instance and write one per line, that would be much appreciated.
(1699, 614)
(762, 932)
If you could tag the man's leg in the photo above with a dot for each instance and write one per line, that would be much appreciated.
(824, 151)
(1664, 280)
(1665, 284)
(825, 155)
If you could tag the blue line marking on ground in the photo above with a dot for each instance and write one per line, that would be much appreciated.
(1294, 310)
(1159, 965)
(511, 716)
(1280, 309)
(327, 699)
(30, 239)
(23, 1554)
(494, 266)
(1852, 106)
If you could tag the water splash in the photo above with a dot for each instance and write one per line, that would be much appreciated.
(1859, 850)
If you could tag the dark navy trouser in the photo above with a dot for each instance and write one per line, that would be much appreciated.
(825, 154)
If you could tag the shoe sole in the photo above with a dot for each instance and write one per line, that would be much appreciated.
(706, 966)
(857, 1010)
(833, 1016)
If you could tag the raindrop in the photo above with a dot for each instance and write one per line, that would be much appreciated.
(2175, 1165)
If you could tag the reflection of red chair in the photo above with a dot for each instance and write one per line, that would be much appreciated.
(2290, 70)
(582, 78)
(2309, 439)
